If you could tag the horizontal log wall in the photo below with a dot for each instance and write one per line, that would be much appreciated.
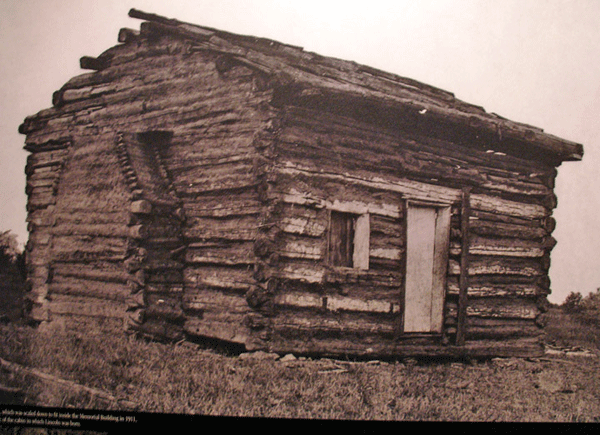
(215, 118)
(217, 172)
(90, 235)
(326, 161)
(43, 172)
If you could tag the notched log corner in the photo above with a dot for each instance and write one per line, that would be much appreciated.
(260, 300)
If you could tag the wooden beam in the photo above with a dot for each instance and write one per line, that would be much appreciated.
(67, 385)
(404, 263)
(141, 15)
(464, 267)
(94, 63)
(151, 28)
(426, 113)
(128, 35)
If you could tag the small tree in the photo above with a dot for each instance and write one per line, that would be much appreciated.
(12, 277)
(573, 302)
(9, 248)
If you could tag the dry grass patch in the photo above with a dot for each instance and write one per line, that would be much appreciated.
(580, 328)
(185, 378)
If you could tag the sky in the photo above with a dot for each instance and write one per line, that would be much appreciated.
(531, 61)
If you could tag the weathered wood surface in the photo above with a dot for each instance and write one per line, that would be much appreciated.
(333, 323)
(71, 305)
(335, 303)
(104, 271)
(499, 266)
(243, 204)
(88, 248)
(423, 291)
(74, 286)
(416, 190)
(322, 72)
(487, 289)
(465, 259)
(132, 105)
(498, 308)
(378, 347)
(111, 97)
(499, 229)
(218, 277)
(236, 228)
(43, 172)
(227, 330)
(128, 35)
(501, 247)
(386, 153)
(507, 329)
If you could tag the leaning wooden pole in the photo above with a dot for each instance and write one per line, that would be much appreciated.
(71, 386)
(464, 267)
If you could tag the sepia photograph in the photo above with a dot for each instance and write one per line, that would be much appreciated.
(298, 212)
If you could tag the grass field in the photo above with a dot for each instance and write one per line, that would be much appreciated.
(188, 379)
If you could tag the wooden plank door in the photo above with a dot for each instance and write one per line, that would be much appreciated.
(426, 263)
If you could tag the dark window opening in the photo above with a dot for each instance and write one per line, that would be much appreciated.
(341, 239)
(349, 240)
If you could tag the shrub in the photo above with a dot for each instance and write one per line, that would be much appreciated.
(9, 248)
(584, 310)
(573, 302)
(12, 277)
(591, 302)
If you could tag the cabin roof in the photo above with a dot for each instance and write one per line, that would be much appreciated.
(311, 72)
(307, 76)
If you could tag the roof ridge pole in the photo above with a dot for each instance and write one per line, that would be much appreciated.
(141, 15)
(464, 267)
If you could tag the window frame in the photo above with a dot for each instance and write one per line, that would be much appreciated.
(361, 234)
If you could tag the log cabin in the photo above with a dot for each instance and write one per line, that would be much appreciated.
(198, 184)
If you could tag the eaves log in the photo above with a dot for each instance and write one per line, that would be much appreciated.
(411, 113)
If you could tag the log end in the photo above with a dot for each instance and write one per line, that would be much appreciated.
(141, 206)
(128, 35)
(94, 63)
